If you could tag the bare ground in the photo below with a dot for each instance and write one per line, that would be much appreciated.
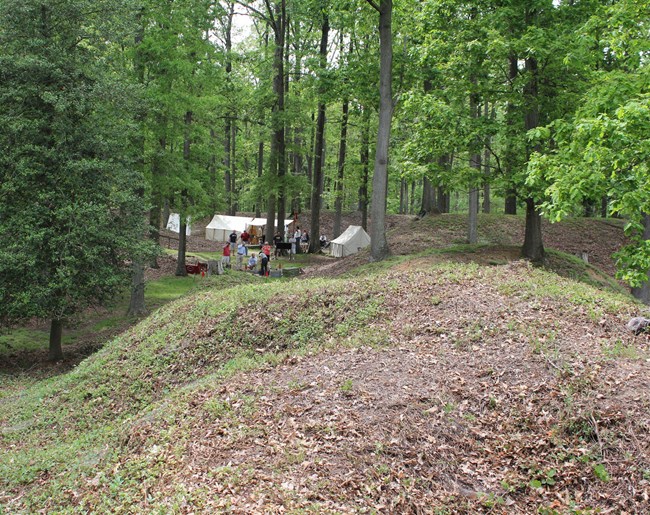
(478, 400)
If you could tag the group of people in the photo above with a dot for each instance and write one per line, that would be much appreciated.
(237, 246)
(240, 250)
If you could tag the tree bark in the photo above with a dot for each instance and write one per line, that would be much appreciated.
(278, 164)
(486, 167)
(428, 197)
(260, 172)
(226, 164)
(511, 202)
(379, 249)
(56, 335)
(338, 204)
(234, 205)
(228, 132)
(182, 246)
(365, 168)
(137, 305)
(533, 248)
(509, 152)
(317, 172)
(474, 162)
(182, 238)
(279, 88)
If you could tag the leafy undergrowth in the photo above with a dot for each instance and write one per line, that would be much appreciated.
(419, 385)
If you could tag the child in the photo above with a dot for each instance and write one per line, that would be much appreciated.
(252, 262)
(225, 260)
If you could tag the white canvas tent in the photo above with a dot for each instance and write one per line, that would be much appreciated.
(174, 224)
(350, 242)
(221, 226)
(257, 222)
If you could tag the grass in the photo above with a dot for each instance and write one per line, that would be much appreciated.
(157, 293)
(117, 424)
(135, 379)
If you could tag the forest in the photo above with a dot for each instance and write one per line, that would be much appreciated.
(477, 357)
(115, 113)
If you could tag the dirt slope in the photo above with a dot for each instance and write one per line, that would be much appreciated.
(466, 389)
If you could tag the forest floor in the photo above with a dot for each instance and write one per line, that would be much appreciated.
(448, 379)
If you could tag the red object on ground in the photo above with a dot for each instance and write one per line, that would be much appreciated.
(198, 268)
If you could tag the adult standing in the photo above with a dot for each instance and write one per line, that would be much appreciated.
(297, 235)
(294, 244)
(264, 264)
(245, 237)
(233, 241)
(277, 239)
(242, 251)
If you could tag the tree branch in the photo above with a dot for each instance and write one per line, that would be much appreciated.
(374, 6)
(253, 10)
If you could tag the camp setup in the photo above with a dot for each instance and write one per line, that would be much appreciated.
(350, 242)
(222, 225)
(174, 224)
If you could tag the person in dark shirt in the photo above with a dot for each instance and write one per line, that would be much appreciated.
(277, 239)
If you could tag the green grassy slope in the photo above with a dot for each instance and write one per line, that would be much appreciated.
(535, 398)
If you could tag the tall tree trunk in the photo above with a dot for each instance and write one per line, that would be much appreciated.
(233, 170)
(338, 204)
(444, 201)
(279, 88)
(269, 230)
(642, 292)
(486, 166)
(428, 197)
(296, 204)
(136, 305)
(533, 248)
(212, 172)
(157, 203)
(378, 244)
(182, 246)
(474, 162)
(260, 172)
(310, 152)
(510, 151)
(319, 148)
(365, 168)
(56, 335)
(228, 131)
(472, 230)
(412, 199)
(511, 202)
(182, 238)
(226, 163)
(278, 159)
(403, 196)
